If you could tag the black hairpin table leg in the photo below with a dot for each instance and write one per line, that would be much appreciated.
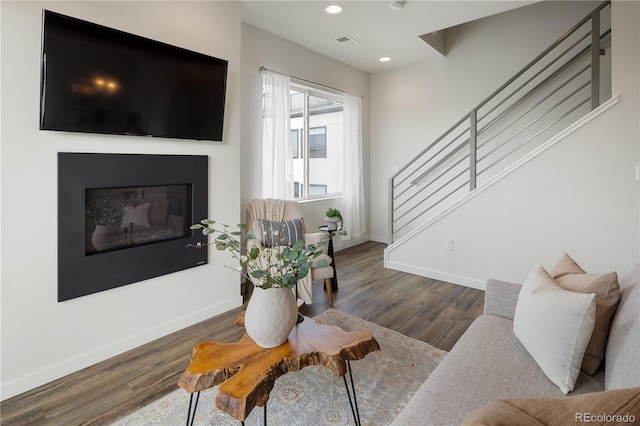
(354, 411)
(191, 416)
(265, 416)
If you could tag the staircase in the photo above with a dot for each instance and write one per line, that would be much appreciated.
(565, 82)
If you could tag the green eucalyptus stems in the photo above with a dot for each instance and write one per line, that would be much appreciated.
(266, 267)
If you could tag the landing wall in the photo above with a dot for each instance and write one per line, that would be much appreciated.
(413, 105)
(578, 196)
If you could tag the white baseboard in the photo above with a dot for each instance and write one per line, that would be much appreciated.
(49, 374)
(379, 238)
(338, 244)
(436, 275)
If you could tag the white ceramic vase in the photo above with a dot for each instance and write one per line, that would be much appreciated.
(271, 315)
(103, 234)
(332, 223)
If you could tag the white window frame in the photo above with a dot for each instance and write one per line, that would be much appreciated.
(310, 89)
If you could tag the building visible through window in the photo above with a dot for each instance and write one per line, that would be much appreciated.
(316, 141)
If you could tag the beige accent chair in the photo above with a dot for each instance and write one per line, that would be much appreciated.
(283, 210)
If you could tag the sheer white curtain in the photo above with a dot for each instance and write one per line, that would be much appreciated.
(277, 161)
(353, 192)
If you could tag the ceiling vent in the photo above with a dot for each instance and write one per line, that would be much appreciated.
(346, 40)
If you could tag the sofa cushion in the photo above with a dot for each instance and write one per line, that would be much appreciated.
(620, 406)
(487, 363)
(555, 326)
(622, 359)
(564, 266)
(570, 276)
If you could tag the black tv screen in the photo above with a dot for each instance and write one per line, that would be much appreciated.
(100, 80)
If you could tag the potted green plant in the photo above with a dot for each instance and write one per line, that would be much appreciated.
(333, 217)
(274, 270)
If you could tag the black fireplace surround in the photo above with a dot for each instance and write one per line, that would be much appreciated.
(124, 218)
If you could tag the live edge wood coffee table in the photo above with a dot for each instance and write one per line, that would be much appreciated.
(247, 372)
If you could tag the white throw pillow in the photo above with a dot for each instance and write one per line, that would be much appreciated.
(554, 325)
(136, 216)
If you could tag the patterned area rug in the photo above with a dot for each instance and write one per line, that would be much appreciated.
(384, 381)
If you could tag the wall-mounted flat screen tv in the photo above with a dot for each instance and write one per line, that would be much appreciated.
(100, 80)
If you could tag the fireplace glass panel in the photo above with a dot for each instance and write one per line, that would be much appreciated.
(120, 218)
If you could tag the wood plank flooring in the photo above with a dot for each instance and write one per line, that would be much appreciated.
(429, 310)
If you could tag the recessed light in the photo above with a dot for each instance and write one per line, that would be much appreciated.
(384, 59)
(398, 5)
(334, 8)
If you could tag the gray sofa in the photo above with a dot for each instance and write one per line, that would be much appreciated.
(489, 362)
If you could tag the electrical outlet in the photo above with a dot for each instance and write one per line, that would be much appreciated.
(448, 243)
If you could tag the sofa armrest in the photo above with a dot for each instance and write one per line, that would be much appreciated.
(500, 298)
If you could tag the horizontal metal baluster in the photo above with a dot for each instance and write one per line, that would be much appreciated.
(434, 205)
(537, 134)
(446, 157)
(563, 100)
(416, 181)
(432, 181)
(536, 75)
(467, 156)
(440, 162)
(540, 85)
(427, 149)
(541, 55)
(568, 64)
(537, 105)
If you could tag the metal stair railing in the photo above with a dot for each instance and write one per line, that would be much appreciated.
(555, 89)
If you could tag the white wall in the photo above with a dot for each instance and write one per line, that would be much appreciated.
(579, 196)
(41, 338)
(414, 105)
(260, 48)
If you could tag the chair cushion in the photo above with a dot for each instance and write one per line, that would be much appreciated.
(136, 216)
(276, 233)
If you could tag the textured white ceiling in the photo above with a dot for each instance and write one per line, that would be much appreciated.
(380, 30)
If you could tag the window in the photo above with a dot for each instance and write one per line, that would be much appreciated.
(295, 144)
(296, 190)
(316, 141)
(317, 189)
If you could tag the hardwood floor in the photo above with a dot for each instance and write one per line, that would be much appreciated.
(429, 310)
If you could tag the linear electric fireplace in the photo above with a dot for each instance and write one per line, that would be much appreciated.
(124, 218)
